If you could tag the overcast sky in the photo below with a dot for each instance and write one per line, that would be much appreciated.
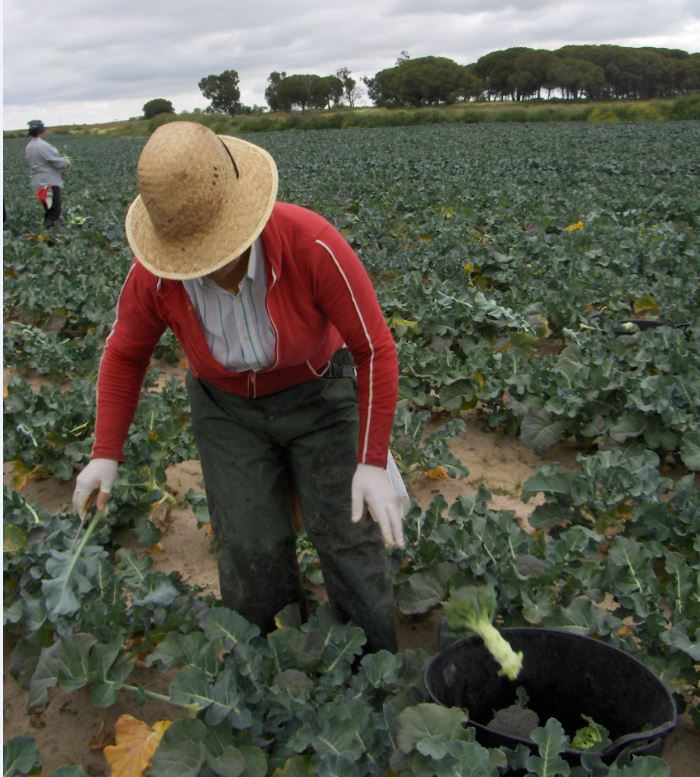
(86, 61)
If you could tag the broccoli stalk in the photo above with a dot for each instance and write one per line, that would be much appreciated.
(473, 608)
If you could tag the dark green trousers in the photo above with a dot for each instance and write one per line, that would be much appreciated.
(252, 451)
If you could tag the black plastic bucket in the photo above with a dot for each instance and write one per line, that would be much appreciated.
(565, 676)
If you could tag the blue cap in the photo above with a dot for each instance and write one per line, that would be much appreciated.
(36, 128)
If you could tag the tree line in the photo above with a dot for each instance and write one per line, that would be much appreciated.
(575, 72)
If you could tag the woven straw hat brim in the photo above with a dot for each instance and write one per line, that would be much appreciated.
(244, 213)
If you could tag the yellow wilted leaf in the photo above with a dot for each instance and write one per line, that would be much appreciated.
(160, 513)
(437, 473)
(136, 744)
(13, 539)
(408, 323)
(425, 237)
(448, 213)
(575, 227)
(288, 617)
(297, 765)
(479, 380)
(5, 392)
(22, 474)
(624, 511)
(623, 631)
(646, 304)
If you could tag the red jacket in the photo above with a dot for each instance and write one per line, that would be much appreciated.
(318, 297)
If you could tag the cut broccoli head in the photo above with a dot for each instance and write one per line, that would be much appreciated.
(473, 608)
(591, 737)
(515, 721)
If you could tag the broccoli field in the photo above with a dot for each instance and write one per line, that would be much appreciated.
(542, 282)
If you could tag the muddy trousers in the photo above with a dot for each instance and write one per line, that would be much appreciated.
(252, 451)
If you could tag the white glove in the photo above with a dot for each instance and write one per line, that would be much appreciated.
(372, 485)
(99, 473)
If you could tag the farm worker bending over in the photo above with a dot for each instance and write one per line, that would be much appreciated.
(45, 165)
(263, 297)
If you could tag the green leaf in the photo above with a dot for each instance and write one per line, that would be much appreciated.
(548, 480)
(183, 650)
(466, 759)
(337, 731)
(677, 637)
(337, 766)
(229, 763)
(181, 752)
(536, 609)
(430, 728)
(421, 593)
(156, 591)
(690, 450)
(547, 515)
(227, 758)
(222, 700)
(627, 426)
(255, 761)
(641, 766)
(294, 649)
(293, 681)
(551, 741)
(133, 570)
(234, 629)
(25, 656)
(582, 616)
(381, 670)
(65, 663)
(539, 432)
(108, 671)
(20, 756)
(71, 577)
(343, 642)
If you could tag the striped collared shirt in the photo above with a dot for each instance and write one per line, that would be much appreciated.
(237, 327)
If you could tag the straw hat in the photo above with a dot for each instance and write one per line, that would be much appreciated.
(204, 199)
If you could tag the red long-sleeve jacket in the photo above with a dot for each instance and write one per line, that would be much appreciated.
(318, 298)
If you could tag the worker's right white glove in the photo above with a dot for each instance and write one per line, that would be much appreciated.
(99, 473)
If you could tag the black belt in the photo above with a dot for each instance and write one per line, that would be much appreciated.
(341, 365)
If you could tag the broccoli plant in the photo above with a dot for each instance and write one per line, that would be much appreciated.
(473, 608)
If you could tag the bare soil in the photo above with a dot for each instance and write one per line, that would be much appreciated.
(70, 730)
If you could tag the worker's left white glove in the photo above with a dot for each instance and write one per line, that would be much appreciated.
(372, 485)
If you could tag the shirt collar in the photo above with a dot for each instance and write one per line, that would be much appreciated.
(253, 265)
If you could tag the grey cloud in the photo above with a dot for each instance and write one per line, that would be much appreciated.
(88, 52)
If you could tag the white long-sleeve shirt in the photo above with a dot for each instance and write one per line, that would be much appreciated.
(45, 164)
(237, 327)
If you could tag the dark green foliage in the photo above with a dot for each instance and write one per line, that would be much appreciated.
(154, 107)
(423, 81)
(588, 71)
(299, 91)
(223, 91)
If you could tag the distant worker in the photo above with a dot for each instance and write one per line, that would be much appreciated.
(45, 165)
(271, 306)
